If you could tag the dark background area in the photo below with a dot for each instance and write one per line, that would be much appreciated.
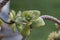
(47, 7)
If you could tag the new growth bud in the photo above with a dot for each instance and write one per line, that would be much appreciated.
(19, 14)
(12, 15)
(25, 20)
(31, 15)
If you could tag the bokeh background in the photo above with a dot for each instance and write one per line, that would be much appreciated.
(47, 7)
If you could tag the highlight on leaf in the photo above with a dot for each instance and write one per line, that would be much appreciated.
(38, 22)
(12, 15)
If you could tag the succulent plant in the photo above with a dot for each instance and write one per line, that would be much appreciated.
(26, 19)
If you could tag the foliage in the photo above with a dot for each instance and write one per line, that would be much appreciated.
(23, 21)
(54, 36)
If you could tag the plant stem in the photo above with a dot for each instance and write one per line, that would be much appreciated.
(43, 16)
(7, 22)
(47, 17)
(51, 18)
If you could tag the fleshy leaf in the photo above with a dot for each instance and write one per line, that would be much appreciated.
(11, 16)
(1, 22)
(19, 27)
(26, 31)
(19, 14)
(31, 15)
(19, 20)
(13, 27)
(14, 13)
(38, 22)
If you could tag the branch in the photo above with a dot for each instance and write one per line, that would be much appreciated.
(47, 17)
(51, 18)
(7, 22)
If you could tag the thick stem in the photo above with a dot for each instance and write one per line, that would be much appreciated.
(7, 22)
(51, 18)
(43, 16)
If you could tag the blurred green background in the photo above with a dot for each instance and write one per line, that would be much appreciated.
(47, 7)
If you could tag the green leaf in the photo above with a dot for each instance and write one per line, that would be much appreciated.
(14, 13)
(26, 31)
(38, 22)
(36, 13)
(11, 16)
(1, 22)
(19, 20)
(31, 15)
(19, 14)
(19, 27)
(12, 26)
(27, 15)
